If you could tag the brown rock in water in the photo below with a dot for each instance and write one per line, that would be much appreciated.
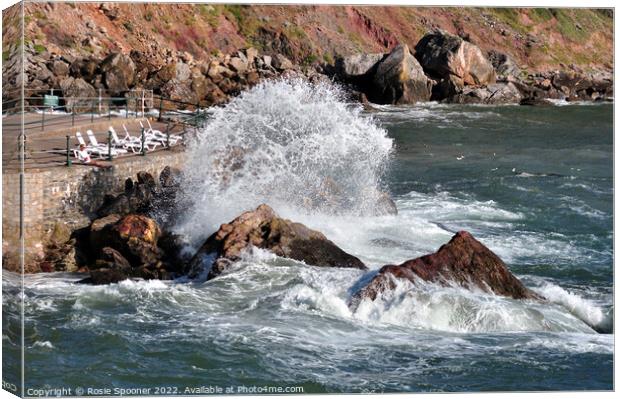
(463, 261)
(496, 93)
(262, 228)
(127, 247)
(134, 236)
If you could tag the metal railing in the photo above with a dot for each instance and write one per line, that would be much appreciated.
(39, 117)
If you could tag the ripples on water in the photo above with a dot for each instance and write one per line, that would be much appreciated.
(533, 184)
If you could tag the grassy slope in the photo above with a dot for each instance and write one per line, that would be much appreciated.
(539, 39)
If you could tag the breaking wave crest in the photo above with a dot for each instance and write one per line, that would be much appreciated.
(291, 144)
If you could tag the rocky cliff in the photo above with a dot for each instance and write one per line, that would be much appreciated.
(191, 51)
(538, 39)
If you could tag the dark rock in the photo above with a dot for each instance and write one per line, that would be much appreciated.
(497, 93)
(535, 101)
(579, 86)
(399, 79)
(463, 261)
(449, 57)
(98, 231)
(176, 251)
(134, 236)
(105, 276)
(503, 64)
(138, 197)
(112, 259)
(170, 177)
(74, 91)
(118, 72)
(146, 178)
(85, 68)
(262, 228)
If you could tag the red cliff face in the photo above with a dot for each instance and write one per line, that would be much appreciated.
(538, 39)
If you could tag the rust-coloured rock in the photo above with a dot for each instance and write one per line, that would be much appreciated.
(134, 236)
(463, 261)
(262, 228)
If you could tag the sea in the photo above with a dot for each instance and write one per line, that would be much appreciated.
(534, 184)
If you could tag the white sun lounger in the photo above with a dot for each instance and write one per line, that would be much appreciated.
(149, 143)
(173, 137)
(93, 150)
(128, 143)
(94, 143)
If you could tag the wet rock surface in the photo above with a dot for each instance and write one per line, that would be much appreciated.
(463, 261)
(262, 228)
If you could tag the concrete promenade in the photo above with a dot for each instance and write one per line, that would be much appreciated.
(46, 147)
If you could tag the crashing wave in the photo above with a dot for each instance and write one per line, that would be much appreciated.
(288, 143)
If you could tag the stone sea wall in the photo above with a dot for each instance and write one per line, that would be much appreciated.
(68, 195)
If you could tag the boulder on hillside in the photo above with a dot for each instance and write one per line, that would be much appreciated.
(262, 228)
(238, 64)
(503, 64)
(399, 79)
(118, 72)
(448, 57)
(357, 66)
(463, 261)
(281, 63)
(163, 75)
(85, 68)
(59, 68)
(75, 91)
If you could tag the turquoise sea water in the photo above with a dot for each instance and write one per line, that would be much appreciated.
(533, 184)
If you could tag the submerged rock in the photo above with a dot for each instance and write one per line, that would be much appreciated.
(262, 228)
(463, 261)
